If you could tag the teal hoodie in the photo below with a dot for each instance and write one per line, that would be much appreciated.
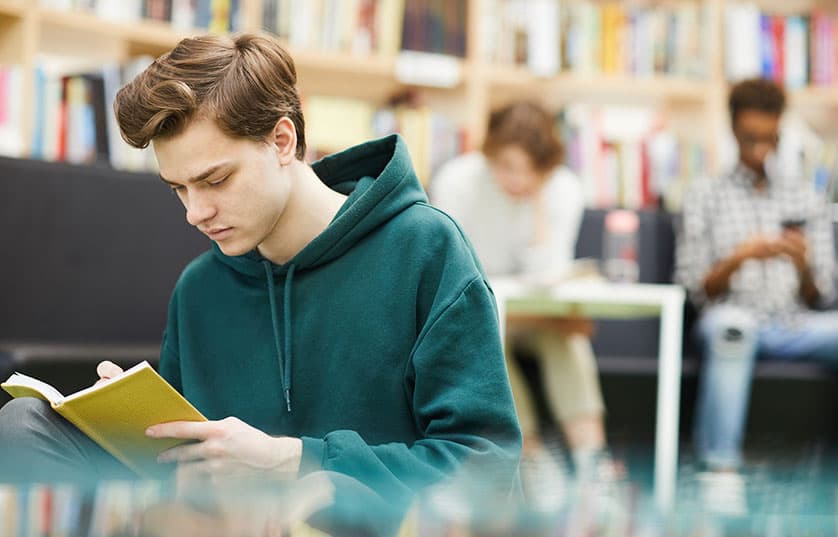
(377, 344)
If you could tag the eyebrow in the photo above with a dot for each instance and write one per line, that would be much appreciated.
(201, 176)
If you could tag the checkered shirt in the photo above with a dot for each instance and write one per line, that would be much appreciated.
(721, 214)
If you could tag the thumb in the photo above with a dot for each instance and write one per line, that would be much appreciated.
(108, 369)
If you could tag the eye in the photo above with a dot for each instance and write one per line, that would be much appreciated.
(220, 181)
(177, 189)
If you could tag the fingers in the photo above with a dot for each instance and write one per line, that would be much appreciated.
(185, 430)
(796, 239)
(107, 370)
(188, 452)
(793, 246)
(191, 470)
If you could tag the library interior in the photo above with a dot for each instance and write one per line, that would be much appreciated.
(620, 213)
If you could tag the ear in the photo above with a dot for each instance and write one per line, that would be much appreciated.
(285, 139)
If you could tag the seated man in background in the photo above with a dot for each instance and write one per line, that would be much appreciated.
(756, 254)
(522, 211)
(339, 323)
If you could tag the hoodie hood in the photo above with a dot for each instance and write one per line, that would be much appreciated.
(379, 180)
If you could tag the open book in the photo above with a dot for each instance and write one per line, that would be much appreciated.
(116, 412)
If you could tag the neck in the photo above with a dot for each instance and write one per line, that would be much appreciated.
(760, 179)
(310, 208)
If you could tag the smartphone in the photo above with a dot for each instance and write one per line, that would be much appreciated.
(793, 224)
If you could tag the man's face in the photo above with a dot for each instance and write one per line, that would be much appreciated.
(757, 134)
(515, 173)
(233, 189)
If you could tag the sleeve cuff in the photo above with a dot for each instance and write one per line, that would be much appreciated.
(314, 450)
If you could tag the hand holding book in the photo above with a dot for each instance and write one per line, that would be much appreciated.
(228, 449)
(141, 420)
(116, 411)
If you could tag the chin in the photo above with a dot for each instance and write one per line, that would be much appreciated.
(234, 249)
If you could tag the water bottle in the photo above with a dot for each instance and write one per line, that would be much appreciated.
(619, 256)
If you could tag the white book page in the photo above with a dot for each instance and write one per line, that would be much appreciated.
(52, 395)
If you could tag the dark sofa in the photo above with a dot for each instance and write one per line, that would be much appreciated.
(90, 257)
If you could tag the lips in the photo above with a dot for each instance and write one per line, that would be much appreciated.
(218, 233)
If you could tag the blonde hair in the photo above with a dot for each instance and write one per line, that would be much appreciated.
(245, 83)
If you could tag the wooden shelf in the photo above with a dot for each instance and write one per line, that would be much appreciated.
(146, 35)
(366, 77)
(818, 107)
(815, 96)
(517, 79)
(339, 63)
(341, 74)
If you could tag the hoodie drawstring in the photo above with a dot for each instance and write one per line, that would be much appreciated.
(283, 352)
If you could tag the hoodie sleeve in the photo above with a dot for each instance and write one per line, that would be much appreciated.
(169, 358)
(462, 404)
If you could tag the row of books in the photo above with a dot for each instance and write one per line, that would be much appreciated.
(217, 16)
(437, 26)
(626, 156)
(112, 508)
(794, 50)
(358, 27)
(73, 119)
(431, 138)
(369, 26)
(64, 510)
(590, 37)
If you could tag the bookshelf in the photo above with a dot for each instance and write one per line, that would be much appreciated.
(693, 99)
(513, 80)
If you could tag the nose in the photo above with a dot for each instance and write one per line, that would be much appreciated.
(199, 209)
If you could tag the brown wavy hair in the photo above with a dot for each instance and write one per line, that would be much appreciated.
(245, 83)
(529, 126)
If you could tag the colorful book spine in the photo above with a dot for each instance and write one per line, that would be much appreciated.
(612, 38)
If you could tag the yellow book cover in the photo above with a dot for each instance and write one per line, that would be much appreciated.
(116, 412)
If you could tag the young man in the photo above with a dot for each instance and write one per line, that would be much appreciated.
(757, 255)
(339, 322)
(522, 211)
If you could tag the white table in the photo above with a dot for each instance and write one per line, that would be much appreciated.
(599, 299)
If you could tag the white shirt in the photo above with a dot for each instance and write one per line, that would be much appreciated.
(502, 228)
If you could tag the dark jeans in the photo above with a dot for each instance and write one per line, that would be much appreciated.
(38, 445)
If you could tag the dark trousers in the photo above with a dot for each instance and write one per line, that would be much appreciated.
(39, 446)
